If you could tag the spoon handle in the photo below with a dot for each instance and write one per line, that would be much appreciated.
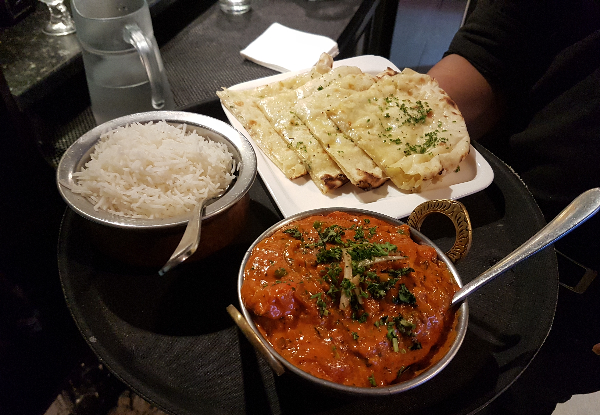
(580, 210)
(190, 240)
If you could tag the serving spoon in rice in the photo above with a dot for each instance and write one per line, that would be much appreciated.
(191, 237)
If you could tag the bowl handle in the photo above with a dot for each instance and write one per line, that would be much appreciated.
(457, 213)
(254, 339)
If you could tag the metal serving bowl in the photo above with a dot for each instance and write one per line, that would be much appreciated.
(149, 242)
(461, 221)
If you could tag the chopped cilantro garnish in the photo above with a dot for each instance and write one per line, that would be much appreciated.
(360, 318)
(399, 272)
(359, 233)
(331, 273)
(294, 233)
(321, 304)
(417, 114)
(348, 287)
(431, 141)
(280, 272)
(391, 333)
(404, 296)
(404, 326)
(364, 251)
(401, 371)
(416, 345)
(378, 288)
(301, 146)
(397, 324)
(395, 344)
(332, 234)
(329, 255)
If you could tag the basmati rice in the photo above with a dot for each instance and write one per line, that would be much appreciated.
(154, 170)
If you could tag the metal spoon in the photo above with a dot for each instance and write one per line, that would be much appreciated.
(580, 210)
(191, 237)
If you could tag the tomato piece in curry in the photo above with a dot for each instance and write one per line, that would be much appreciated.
(351, 299)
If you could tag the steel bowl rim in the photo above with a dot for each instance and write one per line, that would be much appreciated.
(78, 153)
(429, 373)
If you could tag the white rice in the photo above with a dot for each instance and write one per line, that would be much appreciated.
(154, 170)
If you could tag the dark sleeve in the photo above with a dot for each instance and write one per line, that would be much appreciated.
(510, 42)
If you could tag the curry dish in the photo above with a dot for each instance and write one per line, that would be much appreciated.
(351, 299)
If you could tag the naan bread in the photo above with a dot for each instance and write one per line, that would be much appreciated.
(243, 105)
(244, 108)
(340, 124)
(408, 125)
(323, 171)
(322, 67)
(354, 162)
(279, 110)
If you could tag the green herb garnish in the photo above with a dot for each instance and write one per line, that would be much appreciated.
(321, 304)
(404, 296)
(280, 272)
(294, 233)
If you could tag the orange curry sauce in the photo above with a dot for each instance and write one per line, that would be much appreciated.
(387, 323)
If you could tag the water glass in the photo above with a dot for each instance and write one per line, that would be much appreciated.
(60, 22)
(235, 6)
(123, 65)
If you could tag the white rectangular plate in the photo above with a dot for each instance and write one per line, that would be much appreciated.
(294, 196)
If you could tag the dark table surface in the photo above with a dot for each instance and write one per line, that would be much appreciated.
(164, 350)
(503, 215)
(41, 347)
(153, 334)
(171, 340)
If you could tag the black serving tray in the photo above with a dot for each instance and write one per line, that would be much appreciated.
(171, 340)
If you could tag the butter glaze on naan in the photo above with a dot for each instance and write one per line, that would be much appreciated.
(243, 104)
(246, 111)
(278, 109)
(362, 171)
(323, 171)
(408, 125)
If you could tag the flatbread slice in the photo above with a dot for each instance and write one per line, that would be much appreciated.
(262, 132)
(279, 110)
(408, 125)
(352, 160)
(324, 172)
(321, 68)
(243, 105)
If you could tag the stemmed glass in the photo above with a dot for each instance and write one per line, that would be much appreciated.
(60, 22)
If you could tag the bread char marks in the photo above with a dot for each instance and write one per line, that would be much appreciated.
(278, 109)
(342, 124)
(353, 161)
(323, 171)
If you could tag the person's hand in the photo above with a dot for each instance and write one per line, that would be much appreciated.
(480, 106)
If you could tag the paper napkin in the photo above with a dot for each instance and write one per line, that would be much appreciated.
(283, 49)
